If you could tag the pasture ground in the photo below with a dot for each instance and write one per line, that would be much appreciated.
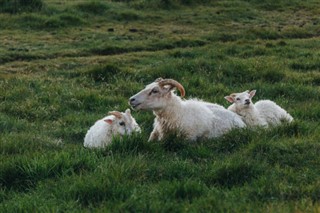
(65, 64)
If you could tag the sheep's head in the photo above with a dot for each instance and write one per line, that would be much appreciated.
(122, 123)
(153, 96)
(241, 99)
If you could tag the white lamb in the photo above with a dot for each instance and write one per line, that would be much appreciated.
(264, 113)
(192, 119)
(116, 124)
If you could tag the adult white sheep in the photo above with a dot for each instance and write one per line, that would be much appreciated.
(263, 113)
(192, 119)
(102, 132)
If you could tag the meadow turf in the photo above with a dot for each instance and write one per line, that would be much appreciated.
(65, 64)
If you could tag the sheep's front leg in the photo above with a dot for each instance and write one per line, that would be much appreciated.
(155, 135)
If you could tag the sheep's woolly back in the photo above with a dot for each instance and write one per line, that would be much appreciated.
(194, 119)
(272, 113)
(225, 120)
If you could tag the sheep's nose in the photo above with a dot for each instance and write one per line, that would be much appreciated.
(247, 101)
(131, 100)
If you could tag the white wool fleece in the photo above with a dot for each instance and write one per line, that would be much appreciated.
(193, 119)
(102, 132)
(264, 113)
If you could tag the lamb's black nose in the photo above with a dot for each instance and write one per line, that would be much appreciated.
(247, 101)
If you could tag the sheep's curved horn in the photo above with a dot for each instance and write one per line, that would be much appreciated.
(116, 113)
(173, 83)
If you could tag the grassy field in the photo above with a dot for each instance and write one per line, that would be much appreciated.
(65, 64)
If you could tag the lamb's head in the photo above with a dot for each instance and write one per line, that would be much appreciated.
(154, 95)
(122, 123)
(241, 100)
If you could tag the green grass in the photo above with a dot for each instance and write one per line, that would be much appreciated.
(65, 64)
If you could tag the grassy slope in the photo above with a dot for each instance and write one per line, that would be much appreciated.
(65, 66)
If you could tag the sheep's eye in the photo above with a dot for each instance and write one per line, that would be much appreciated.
(122, 123)
(153, 91)
(238, 99)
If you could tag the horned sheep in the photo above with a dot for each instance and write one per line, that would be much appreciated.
(263, 113)
(192, 119)
(116, 124)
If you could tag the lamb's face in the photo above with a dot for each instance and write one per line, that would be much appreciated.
(122, 123)
(118, 124)
(241, 100)
(151, 97)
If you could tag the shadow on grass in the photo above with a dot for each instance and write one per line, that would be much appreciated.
(20, 6)
(157, 46)
(24, 172)
(183, 190)
(233, 174)
(133, 144)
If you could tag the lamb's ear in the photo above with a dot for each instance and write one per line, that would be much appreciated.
(128, 111)
(252, 93)
(229, 98)
(108, 120)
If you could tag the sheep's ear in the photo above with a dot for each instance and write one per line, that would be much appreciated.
(252, 93)
(108, 120)
(158, 79)
(170, 88)
(229, 98)
(167, 88)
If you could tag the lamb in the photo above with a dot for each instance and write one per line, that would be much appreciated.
(193, 119)
(264, 113)
(116, 124)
